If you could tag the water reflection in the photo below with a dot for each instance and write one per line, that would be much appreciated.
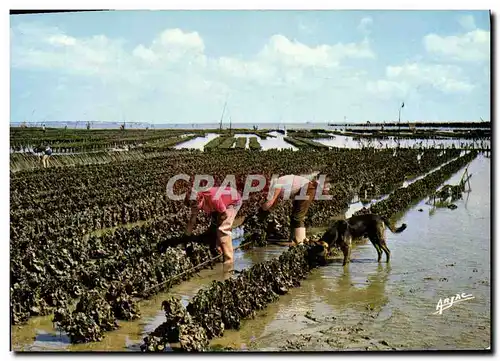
(276, 141)
(342, 141)
(197, 143)
(361, 284)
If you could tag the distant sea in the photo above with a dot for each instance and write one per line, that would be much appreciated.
(115, 125)
(260, 126)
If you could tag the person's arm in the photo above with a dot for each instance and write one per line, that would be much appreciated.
(267, 205)
(192, 220)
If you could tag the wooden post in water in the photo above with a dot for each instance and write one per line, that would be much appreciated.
(468, 181)
(222, 116)
(465, 178)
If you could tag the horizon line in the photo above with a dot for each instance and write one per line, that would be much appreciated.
(258, 122)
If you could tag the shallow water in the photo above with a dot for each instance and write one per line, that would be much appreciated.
(40, 334)
(342, 141)
(277, 141)
(442, 252)
(197, 143)
(357, 204)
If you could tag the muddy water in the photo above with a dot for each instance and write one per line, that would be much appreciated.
(366, 305)
(41, 335)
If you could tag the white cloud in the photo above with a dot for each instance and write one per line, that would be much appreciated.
(172, 77)
(144, 53)
(61, 39)
(37, 46)
(473, 46)
(290, 53)
(407, 78)
(40, 47)
(387, 88)
(365, 24)
(174, 67)
(240, 69)
(467, 22)
(178, 38)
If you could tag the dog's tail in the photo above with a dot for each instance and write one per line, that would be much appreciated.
(391, 227)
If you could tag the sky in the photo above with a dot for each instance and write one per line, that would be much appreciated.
(269, 66)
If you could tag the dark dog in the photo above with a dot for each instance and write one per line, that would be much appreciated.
(372, 226)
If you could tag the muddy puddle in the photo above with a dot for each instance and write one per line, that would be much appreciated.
(365, 306)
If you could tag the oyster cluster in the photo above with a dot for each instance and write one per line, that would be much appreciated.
(223, 305)
(56, 254)
(179, 327)
(91, 318)
(117, 290)
(402, 198)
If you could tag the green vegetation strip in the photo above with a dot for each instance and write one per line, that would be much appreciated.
(241, 143)
(313, 134)
(312, 143)
(254, 144)
(227, 143)
(214, 143)
(303, 143)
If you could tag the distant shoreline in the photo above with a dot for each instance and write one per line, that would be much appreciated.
(260, 126)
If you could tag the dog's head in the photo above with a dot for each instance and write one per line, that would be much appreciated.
(337, 234)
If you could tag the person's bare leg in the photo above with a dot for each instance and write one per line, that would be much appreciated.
(225, 236)
(227, 269)
(227, 249)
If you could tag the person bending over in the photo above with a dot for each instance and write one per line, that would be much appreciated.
(302, 191)
(224, 204)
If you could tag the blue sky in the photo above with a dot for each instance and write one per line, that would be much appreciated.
(270, 66)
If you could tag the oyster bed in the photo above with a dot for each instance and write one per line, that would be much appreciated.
(56, 263)
(223, 305)
(402, 198)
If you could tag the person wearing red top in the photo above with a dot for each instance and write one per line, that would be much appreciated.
(224, 203)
